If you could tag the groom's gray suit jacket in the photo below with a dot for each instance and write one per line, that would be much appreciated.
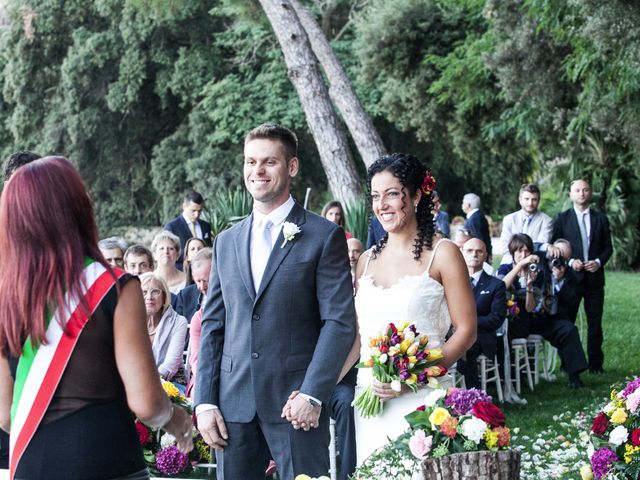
(293, 334)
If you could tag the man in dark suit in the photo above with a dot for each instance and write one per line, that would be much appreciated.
(189, 225)
(491, 308)
(277, 326)
(476, 222)
(588, 233)
(551, 317)
(440, 217)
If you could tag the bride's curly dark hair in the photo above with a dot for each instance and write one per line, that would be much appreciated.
(411, 173)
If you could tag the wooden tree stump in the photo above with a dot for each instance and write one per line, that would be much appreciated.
(484, 465)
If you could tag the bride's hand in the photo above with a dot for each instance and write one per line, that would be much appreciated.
(384, 390)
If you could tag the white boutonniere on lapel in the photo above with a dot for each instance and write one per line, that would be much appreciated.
(289, 231)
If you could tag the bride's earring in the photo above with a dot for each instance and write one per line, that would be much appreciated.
(415, 208)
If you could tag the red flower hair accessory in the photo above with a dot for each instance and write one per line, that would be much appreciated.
(428, 184)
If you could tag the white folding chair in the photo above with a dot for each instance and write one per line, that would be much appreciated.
(521, 360)
(333, 464)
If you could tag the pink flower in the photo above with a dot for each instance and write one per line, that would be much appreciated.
(420, 444)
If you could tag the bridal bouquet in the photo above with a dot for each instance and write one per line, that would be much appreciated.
(160, 451)
(399, 355)
(614, 439)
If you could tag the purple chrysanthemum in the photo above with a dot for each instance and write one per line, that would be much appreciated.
(631, 387)
(602, 460)
(462, 401)
(171, 461)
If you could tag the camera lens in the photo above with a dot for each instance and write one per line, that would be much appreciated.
(533, 267)
(557, 262)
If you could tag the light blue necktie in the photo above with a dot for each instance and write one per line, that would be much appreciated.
(583, 235)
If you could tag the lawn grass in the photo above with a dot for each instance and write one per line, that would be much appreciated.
(621, 325)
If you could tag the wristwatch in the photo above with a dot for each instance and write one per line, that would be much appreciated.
(313, 402)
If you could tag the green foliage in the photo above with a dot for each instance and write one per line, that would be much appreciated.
(227, 208)
(357, 219)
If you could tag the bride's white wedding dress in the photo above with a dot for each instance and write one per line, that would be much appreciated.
(417, 299)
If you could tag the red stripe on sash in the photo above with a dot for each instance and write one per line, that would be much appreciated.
(59, 362)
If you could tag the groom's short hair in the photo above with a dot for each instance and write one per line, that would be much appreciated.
(272, 131)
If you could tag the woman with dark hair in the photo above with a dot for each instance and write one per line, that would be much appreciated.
(76, 357)
(193, 246)
(524, 278)
(334, 212)
(407, 278)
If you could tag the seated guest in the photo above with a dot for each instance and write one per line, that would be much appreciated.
(201, 267)
(491, 308)
(523, 279)
(334, 212)
(138, 259)
(190, 298)
(461, 237)
(552, 319)
(166, 250)
(192, 247)
(355, 249)
(167, 330)
(17, 160)
(112, 250)
(189, 224)
(440, 217)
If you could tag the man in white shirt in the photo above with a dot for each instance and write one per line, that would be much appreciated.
(189, 224)
(528, 220)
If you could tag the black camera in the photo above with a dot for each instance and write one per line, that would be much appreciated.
(557, 262)
(533, 267)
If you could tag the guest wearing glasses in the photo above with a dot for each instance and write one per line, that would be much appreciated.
(167, 330)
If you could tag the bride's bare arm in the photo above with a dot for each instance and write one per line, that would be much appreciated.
(449, 268)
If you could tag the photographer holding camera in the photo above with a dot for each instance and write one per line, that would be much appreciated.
(523, 278)
(552, 318)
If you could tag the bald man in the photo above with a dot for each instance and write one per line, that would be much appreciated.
(588, 233)
(491, 308)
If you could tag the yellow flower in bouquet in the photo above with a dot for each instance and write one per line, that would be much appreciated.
(170, 389)
(619, 416)
(434, 354)
(438, 416)
(586, 473)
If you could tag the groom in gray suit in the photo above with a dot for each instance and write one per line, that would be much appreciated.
(277, 326)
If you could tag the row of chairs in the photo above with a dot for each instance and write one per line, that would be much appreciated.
(528, 352)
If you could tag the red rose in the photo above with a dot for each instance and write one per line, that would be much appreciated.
(143, 433)
(600, 424)
(635, 437)
(488, 412)
(384, 349)
(420, 408)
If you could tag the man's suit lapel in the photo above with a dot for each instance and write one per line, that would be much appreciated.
(186, 232)
(243, 252)
(279, 252)
(573, 218)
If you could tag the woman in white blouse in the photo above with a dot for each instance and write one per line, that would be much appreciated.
(167, 329)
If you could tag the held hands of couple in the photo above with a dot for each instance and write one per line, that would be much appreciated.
(213, 429)
(300, 412)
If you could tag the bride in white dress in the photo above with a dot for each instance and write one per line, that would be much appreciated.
(407, 277)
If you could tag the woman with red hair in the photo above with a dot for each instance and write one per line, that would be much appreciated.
(75, 354)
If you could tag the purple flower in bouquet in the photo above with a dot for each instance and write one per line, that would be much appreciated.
(462, 401)
(631, 387)
(404, 374)
(601, 461)
(421, 355)
(171, 461)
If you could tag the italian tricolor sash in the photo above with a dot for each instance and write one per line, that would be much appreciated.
(40, 367)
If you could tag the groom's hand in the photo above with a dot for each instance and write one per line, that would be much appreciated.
(213, 429)
(286, 410)
(301, 413)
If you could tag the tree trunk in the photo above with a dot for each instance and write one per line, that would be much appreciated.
(483, 465)
(341, 90)
(322, 119)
